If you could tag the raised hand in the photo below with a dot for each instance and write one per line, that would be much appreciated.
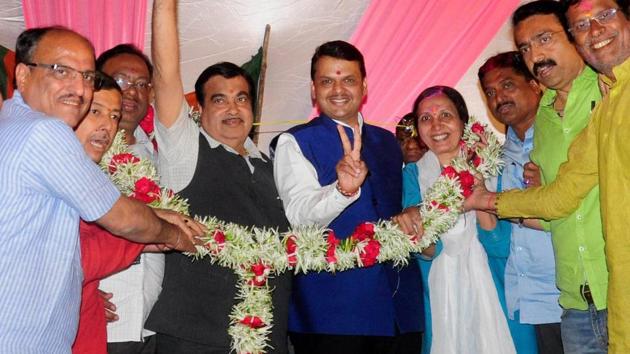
(351, 170)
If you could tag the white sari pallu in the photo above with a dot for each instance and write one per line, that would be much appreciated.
(465, 309)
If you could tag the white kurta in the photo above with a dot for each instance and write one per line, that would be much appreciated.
(466, 314)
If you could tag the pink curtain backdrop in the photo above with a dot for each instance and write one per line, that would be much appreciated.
(419, 43)
(105, 22)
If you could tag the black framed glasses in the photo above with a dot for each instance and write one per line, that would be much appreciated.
(125, 84)
(67, 73)
(603, 17)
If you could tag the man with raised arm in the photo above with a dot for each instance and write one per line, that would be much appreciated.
(222, 173)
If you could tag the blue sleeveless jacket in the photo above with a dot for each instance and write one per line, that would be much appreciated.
(378, 300)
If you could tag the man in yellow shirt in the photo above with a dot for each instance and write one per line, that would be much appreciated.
(599, 155)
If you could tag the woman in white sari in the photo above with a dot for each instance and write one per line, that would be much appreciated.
(465, 316)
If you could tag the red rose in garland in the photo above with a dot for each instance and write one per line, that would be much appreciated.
(449, 171)
(146, 190)
(121, 159)
(477, 128)
(261, 272)
(476, 160)
(253, 322)
(467, 181)
(363, 231)
(439, 205)
(219, 237)
(332, 246)
(370, 253)
(291, 248)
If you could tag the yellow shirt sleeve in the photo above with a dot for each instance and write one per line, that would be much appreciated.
(556, 200)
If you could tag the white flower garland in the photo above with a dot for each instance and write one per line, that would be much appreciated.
(256, 254)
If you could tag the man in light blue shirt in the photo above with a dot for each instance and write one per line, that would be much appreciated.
(46, 183)
(512, 94)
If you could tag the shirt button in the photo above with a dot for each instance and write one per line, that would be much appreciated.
(579, 217)
(519, 248)
(581, 248)
(522, 275)
(566, 130)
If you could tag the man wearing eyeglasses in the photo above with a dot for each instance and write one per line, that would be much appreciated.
(564, 111)
(47, 182)
(599, 155)
(135, 289)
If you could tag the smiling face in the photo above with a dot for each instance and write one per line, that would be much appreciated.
(550, 57)
(511, 98)
(440, 127)
(227, 111)
(96, 132)
(136, 100)
(67, 99)
(338, 88)
(603, 46)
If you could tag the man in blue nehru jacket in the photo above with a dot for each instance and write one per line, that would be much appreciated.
(323, 182)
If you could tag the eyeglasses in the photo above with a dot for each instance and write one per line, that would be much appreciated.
(66, 73)
(541, 40)
(124, 84)
(602, 18)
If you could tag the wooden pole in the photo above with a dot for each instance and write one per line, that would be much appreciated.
(261, 83)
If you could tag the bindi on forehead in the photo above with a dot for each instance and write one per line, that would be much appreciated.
(338, 72)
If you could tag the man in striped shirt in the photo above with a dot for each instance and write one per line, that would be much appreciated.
(47, 183)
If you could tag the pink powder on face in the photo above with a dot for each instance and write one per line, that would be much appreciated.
(338, 72)
(585, 5)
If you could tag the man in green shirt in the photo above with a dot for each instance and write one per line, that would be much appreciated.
(599, 155)
(564, 111)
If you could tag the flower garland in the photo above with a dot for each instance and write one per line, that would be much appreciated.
(256, 254)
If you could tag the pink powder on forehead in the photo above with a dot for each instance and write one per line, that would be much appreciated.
(338, 72)
(585, 5)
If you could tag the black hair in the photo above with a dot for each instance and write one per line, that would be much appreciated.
(624, 6)
(451, 93)
(227, 70)
(540, 7)
(105, 82)
(123, 49)
(339, 50)
(511, 60)
(28, 40)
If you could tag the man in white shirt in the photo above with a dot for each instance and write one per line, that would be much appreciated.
(221, 173)
(135, 289)
(377, 309)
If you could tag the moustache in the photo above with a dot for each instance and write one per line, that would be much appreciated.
(73, 97)
(542, 64)
(503, 104)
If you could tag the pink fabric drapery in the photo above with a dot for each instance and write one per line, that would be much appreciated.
(105, 22)
(410, 45)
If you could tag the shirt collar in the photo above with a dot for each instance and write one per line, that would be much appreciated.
(359, 119)
(250, 147)
(621, 71)
(584, 78)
